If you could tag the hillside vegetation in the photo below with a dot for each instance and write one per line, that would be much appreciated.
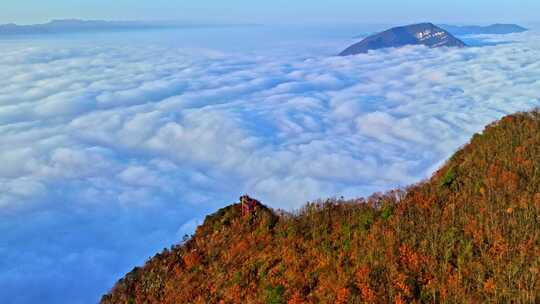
(470, 234)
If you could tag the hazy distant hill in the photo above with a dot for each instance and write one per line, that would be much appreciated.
(76, 26)
(478, 30)
(426, 34)
(470, 234)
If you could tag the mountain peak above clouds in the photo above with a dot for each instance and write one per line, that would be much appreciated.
(426, 34)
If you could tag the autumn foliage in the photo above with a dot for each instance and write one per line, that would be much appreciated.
(470, 234)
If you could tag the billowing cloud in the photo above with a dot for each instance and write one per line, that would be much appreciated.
(111, 153)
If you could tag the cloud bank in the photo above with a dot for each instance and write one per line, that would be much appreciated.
(111, 153)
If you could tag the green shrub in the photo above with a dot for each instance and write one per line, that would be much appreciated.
(274, 294)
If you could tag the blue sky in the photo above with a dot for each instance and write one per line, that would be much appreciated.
(276, 11)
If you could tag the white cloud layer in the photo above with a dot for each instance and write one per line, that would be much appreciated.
(110, 153)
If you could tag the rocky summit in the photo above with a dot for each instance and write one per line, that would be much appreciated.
(426, 34)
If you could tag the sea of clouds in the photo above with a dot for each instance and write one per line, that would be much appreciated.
(111, 152)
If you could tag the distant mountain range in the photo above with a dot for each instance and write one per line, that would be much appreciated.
(501, 29)
(426, 34)
(77, 26)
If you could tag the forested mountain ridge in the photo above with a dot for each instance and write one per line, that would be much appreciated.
(470, 234)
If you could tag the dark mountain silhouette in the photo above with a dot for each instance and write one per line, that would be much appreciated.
(417, 34)
(470, 234)
(81, 26)
(74, 25)
(501, 29)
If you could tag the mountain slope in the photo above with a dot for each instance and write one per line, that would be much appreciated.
(417, 34)
(500, 29)
(470, 234)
